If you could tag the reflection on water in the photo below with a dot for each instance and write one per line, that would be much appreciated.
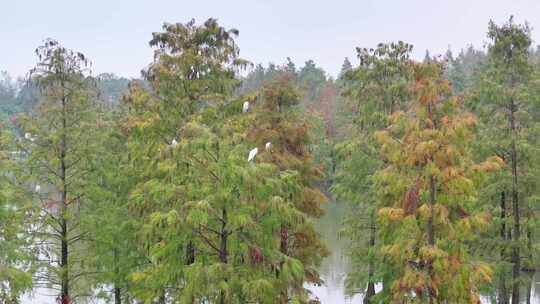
(334, 267)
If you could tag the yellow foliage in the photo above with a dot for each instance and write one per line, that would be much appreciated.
(396, 116)
(391, 213)
(483, 272)
(381, 137)
(431, 253)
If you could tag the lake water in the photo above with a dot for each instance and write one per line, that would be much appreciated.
(334, 267)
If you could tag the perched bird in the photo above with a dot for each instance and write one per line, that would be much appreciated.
(245, 107)
(268, 146)
(174, 143)
(252, 153)
(38, 188)
(27, 135)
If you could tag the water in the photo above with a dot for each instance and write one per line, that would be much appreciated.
(334, 268)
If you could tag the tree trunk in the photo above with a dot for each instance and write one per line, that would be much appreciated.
(223, 251)
(117, 290)
(284, 249)
(431, 230)
(117, 295)
(64, 255)
(162, 299)
(530, 264)
(224, 234)
(190, 253)
(503, 293)
(530, 276)
(516, 235)
(370, 292)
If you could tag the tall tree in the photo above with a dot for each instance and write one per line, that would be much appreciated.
(311, 80)
(59, 142)
(428, 188)
(463, 70)
(113, 253)
(345, 67)
(373, 90)
(503, 97)
(277, 123)
(210, 216)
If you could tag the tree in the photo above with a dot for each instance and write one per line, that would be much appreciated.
(374, 89)
(345, 67)
(210, 216)
(113, 253)
(311, 80)
(194, 66)
(277, 122)
(111, 87)
(463, 71)
(60, 144)
(15, 258)
(427, 190)
(503, 98)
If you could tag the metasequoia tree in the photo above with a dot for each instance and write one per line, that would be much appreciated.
(276, 121)
(372, 91)
(211, 217)
(59, 143)
(428, 188)
(113, 253)
(504, 99)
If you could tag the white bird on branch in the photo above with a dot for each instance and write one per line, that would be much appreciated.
(29, 136)
(245, 107)
(252, 154)
(268, 146)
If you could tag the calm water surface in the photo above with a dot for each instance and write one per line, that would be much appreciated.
(334, 267)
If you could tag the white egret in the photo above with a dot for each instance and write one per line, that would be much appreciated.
(252, 153)
(268, 146)
(245, 107)
(174, 143)
(38, 188)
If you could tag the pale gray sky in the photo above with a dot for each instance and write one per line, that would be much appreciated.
(115, 33)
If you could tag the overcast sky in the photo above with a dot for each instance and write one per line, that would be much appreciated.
(115, 33)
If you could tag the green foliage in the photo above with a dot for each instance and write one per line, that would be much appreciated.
(212, 220)
(15, 259)
(378, 86)
(113, 254)
(278, 123)
(506, 100)
(60, 144)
